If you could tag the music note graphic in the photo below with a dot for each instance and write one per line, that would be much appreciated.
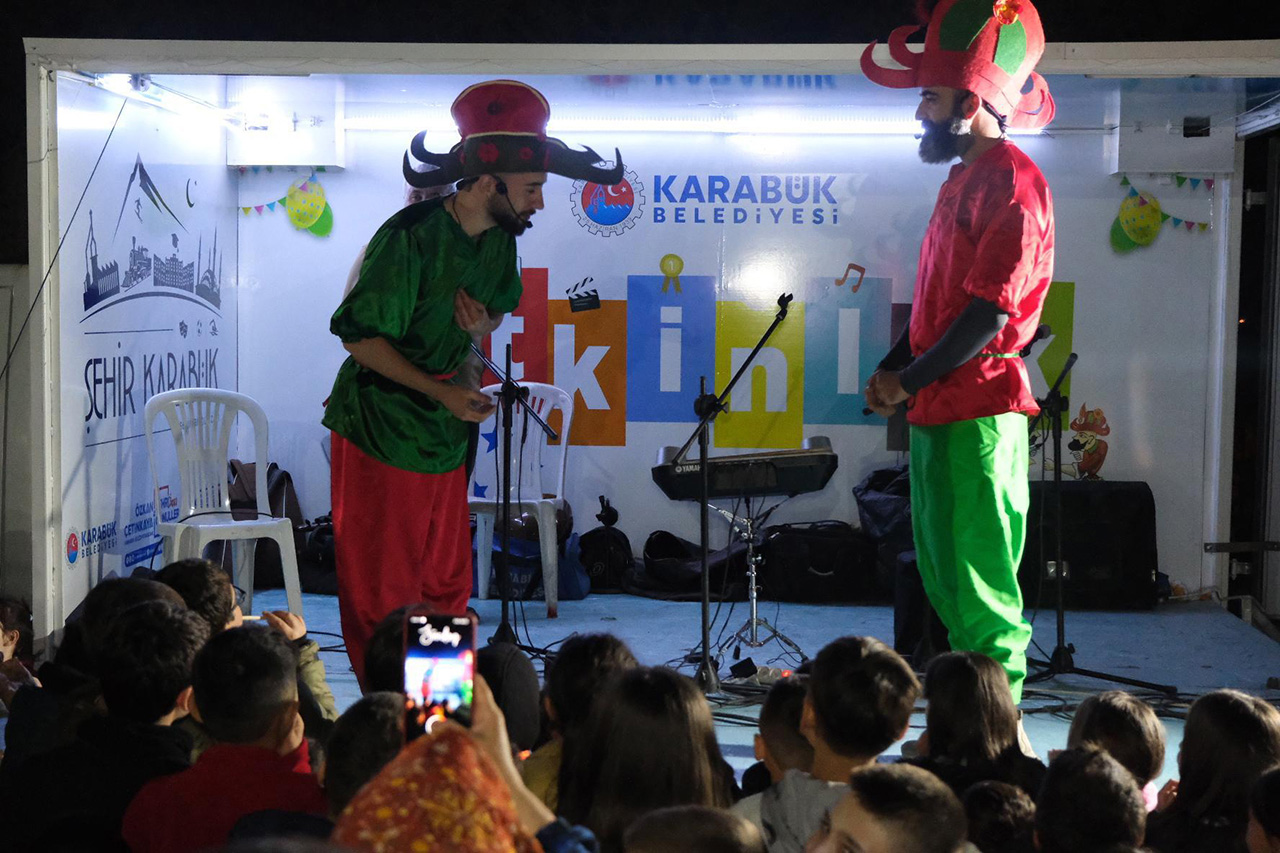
(862, 271)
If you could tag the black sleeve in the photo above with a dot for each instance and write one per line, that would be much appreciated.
(964, 339)
(900, 353)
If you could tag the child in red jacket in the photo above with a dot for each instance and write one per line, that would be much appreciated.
(246, 694)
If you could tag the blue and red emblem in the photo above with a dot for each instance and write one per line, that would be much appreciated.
(73, 547)
(608, 210)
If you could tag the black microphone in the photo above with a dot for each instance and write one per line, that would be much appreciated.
(501, 187)
(1042, 331)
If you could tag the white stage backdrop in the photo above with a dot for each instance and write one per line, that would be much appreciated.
(147, 305)
(686, 260)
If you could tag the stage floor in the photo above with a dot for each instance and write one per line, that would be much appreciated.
(1195, 647)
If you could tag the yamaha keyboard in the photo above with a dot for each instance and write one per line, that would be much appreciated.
(748, 475)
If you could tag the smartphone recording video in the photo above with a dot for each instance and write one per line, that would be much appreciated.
(439, 668)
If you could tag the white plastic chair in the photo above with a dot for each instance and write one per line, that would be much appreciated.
(201, 420)
(533, 489)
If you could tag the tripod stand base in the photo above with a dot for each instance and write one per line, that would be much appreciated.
(752, 627)
(504, 634)
(707, 679)
(1062, 663)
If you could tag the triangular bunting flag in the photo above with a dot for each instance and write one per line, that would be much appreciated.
(270, 169)
(246, 210)
(1142, 202)
(1176, 222)
(1195, 183)
(1208, 182)
(257, 169)
(303, 188)
(1181, 179)
(271, 205)
(1189, 225)
(1204, 226)
(1132, 192)
(258, 207)
(1124, 181)
(321, 169)
(1164, 217)
(280, 200)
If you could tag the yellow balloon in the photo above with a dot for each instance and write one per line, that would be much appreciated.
(304, 203)
(1140, 218)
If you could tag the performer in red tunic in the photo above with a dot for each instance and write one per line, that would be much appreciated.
(985, 267)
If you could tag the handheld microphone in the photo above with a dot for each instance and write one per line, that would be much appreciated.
(1042, 331)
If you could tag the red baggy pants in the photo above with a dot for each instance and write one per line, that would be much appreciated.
(399, 538)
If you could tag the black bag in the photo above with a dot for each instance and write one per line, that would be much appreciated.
(818, 562)
(282, 500)
(672, 570)
(317, 561)
(606, 554)
(884, 508)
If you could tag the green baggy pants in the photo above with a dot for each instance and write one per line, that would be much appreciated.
(969, 497)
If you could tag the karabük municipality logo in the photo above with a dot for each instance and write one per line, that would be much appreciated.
(608, 210)
(73, 547)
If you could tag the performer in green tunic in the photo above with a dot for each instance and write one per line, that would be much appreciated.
(435, 274)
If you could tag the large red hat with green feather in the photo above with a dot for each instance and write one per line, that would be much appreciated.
(988, 47)
(503, 124)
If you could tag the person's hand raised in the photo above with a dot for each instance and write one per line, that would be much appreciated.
(288, 624)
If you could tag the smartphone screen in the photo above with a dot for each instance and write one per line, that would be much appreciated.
(439, 667)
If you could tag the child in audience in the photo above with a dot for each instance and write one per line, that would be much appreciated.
(575, 675)
(441, 794)
(648, 743)
(1230, 739)
(779, 744)
(245, 692)
(1128, 729)
(859, 701)
(74, 797)
(692, 829)
(514, 682)
(46, 713)
(384, 656)
(892, 808)
(1263, 835)
(1089, 802)
(206, 588)
(15, 630)
(366, 737)
(971, 726)
(1002, 818)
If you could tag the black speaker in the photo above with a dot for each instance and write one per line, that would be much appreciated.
(1108, 544)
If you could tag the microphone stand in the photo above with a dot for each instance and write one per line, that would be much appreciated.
(707, 407)
(1062, 662)
(510, 394)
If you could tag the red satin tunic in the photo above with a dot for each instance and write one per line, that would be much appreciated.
(991, 237)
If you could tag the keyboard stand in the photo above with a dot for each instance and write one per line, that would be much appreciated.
(755, 632)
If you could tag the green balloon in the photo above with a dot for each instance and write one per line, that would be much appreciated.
(1120, 241)
(324, 224)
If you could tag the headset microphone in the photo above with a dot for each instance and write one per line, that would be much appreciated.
(501, 187)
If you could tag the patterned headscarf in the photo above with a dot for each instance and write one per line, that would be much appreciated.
(439, 795)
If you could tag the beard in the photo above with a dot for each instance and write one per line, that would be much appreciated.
(943, 142)
(504, 213)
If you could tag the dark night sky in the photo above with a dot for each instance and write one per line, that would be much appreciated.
(622, 21)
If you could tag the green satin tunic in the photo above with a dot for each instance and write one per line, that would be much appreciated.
(412, 268)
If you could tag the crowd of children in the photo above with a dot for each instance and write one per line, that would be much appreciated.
(167, 723)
